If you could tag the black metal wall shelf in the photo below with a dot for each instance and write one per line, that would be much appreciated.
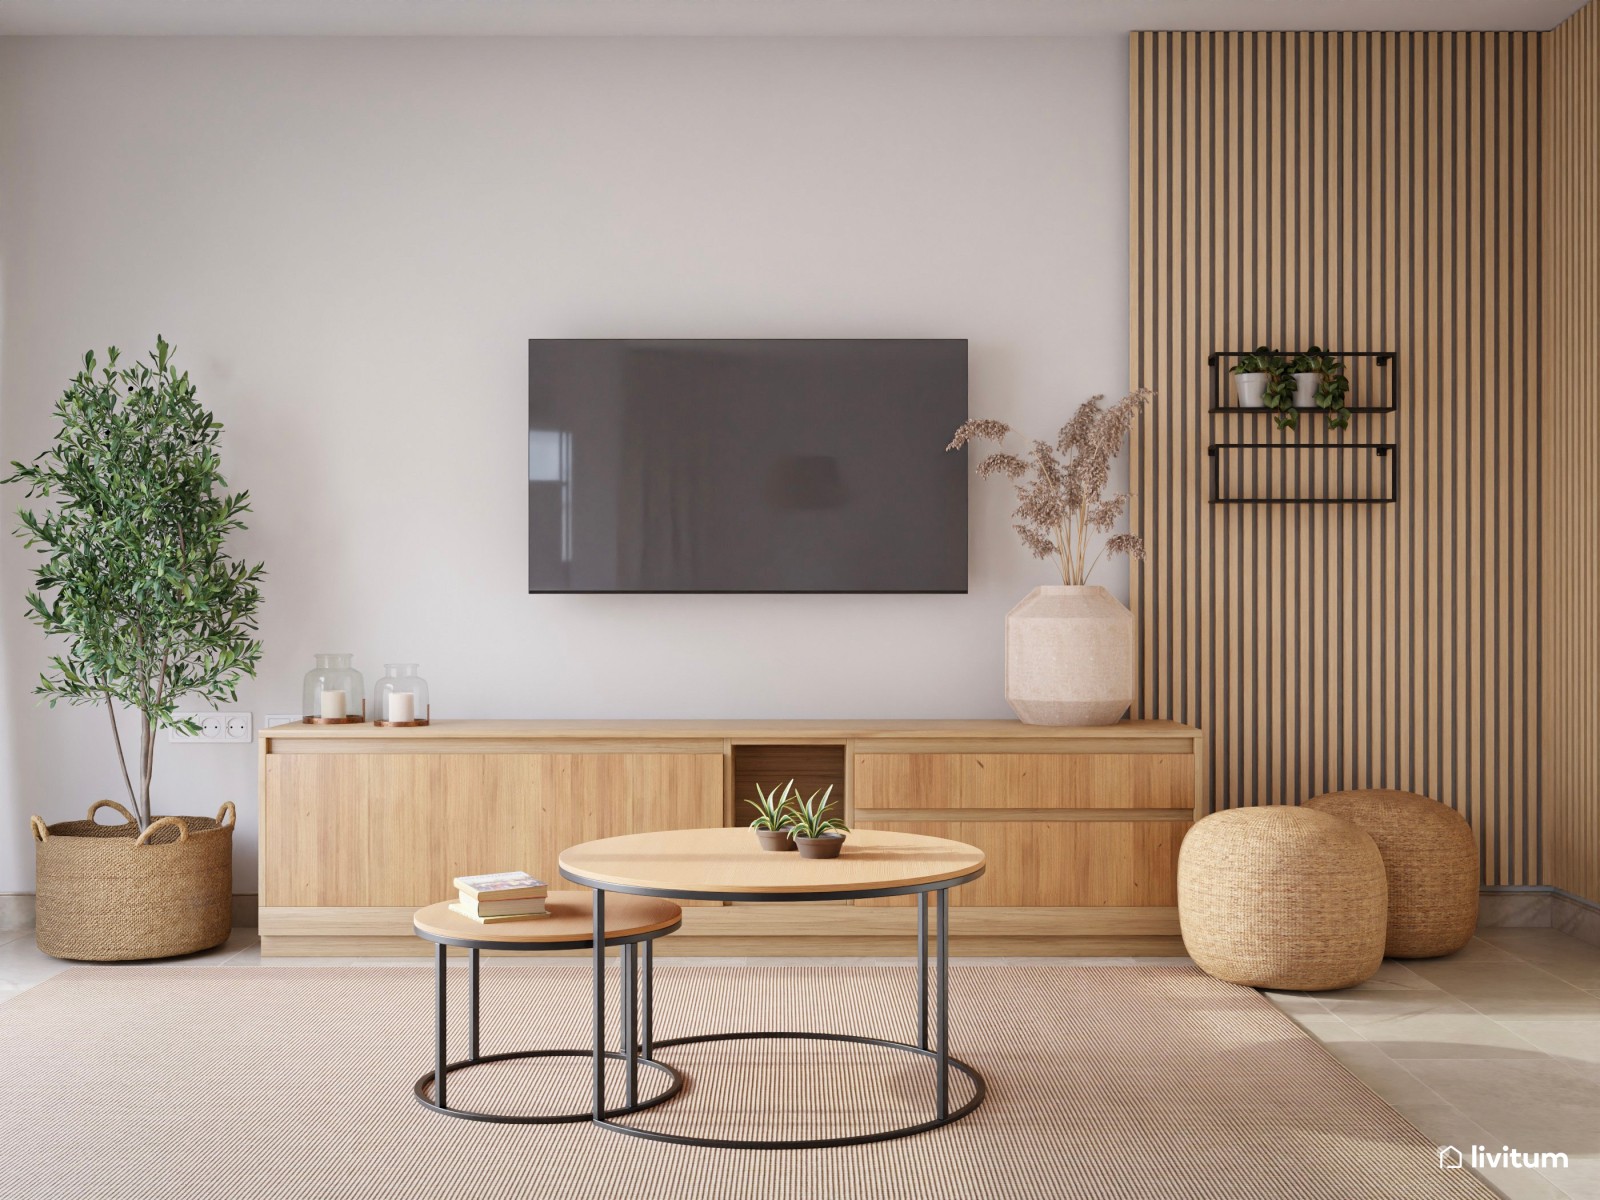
(1387, 451)
(1381, 358)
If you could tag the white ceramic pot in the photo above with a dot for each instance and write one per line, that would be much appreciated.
(1306, 384)
(1251, 388)
(1069, 657)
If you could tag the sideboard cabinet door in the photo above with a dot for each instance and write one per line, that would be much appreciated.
(395, 829)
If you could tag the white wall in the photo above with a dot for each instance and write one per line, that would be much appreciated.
(349, 242)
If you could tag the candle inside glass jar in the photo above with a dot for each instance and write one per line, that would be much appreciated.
(402, 706)
(333, 704)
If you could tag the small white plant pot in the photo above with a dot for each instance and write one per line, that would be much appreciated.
(1306, 384)
(1251, 389)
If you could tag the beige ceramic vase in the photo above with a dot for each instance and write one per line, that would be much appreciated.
(1069, 657)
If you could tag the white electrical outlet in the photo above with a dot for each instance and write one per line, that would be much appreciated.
(273, 720)
(218, 728)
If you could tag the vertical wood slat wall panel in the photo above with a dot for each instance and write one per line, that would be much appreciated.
(1571, 526)
(1364, 191)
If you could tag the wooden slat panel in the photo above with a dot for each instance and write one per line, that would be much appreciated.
(1570, 412)
(1368, 192)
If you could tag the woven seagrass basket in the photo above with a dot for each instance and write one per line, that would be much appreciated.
(109, 893)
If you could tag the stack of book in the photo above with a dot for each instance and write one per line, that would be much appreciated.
(508, 896)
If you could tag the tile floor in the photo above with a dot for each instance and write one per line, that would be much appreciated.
(1497, 1045)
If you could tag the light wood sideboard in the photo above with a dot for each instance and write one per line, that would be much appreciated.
(361, 826)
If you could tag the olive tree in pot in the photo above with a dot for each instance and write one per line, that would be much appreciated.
(136, 582)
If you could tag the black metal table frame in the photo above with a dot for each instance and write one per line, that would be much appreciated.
(939, 1052)
(629, 951)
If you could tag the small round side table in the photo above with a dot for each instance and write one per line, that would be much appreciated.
(570, 926)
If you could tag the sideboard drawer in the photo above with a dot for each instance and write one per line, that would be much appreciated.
(1004, 780)
(1065, 864)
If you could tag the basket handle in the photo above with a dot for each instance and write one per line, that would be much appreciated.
(41, 831)
(183, 829)
(127, 816)
(229, 811)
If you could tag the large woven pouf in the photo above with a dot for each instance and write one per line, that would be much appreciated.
(1431, 860)
(1282, 897)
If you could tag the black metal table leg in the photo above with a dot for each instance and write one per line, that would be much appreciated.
(647, 1038)
(628, 964)
(944, 1003)
(922, 970)
(430, 1090)
(472, 1006)
(599, 1004)
(440, 998)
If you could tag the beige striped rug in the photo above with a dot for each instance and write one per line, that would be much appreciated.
(1149, 1082)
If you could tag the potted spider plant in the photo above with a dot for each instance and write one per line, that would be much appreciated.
(774, 816)
(817, 835)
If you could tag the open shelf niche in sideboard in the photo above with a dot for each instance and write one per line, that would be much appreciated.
(812, 766)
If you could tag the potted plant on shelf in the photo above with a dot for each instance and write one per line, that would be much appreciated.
(774, 817)
(1320, 381)
(150, 609)
(817, 835)
(1254, 374)
(1069, 649)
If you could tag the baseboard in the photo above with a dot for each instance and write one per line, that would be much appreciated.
(1541, 907)
(18, 910)
(1575, 916)
(1514, 908)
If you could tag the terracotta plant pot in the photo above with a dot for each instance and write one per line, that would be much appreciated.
(826, 846)
(775, 839)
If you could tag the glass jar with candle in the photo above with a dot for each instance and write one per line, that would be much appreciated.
(335, 693)
(401, 696)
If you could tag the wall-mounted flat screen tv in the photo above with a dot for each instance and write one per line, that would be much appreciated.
(746, 466)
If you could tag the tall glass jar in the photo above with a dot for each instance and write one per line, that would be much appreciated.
(335, 693)
(401, 696)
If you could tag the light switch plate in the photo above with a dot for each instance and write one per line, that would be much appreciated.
(216, 728)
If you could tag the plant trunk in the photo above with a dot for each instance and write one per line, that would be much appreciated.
(149, 737)
(122, 758)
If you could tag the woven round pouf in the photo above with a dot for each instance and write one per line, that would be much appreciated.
(1282, 897)
(1431, 860)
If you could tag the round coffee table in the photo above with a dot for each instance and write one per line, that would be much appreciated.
(727, 864)
(573, 924)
